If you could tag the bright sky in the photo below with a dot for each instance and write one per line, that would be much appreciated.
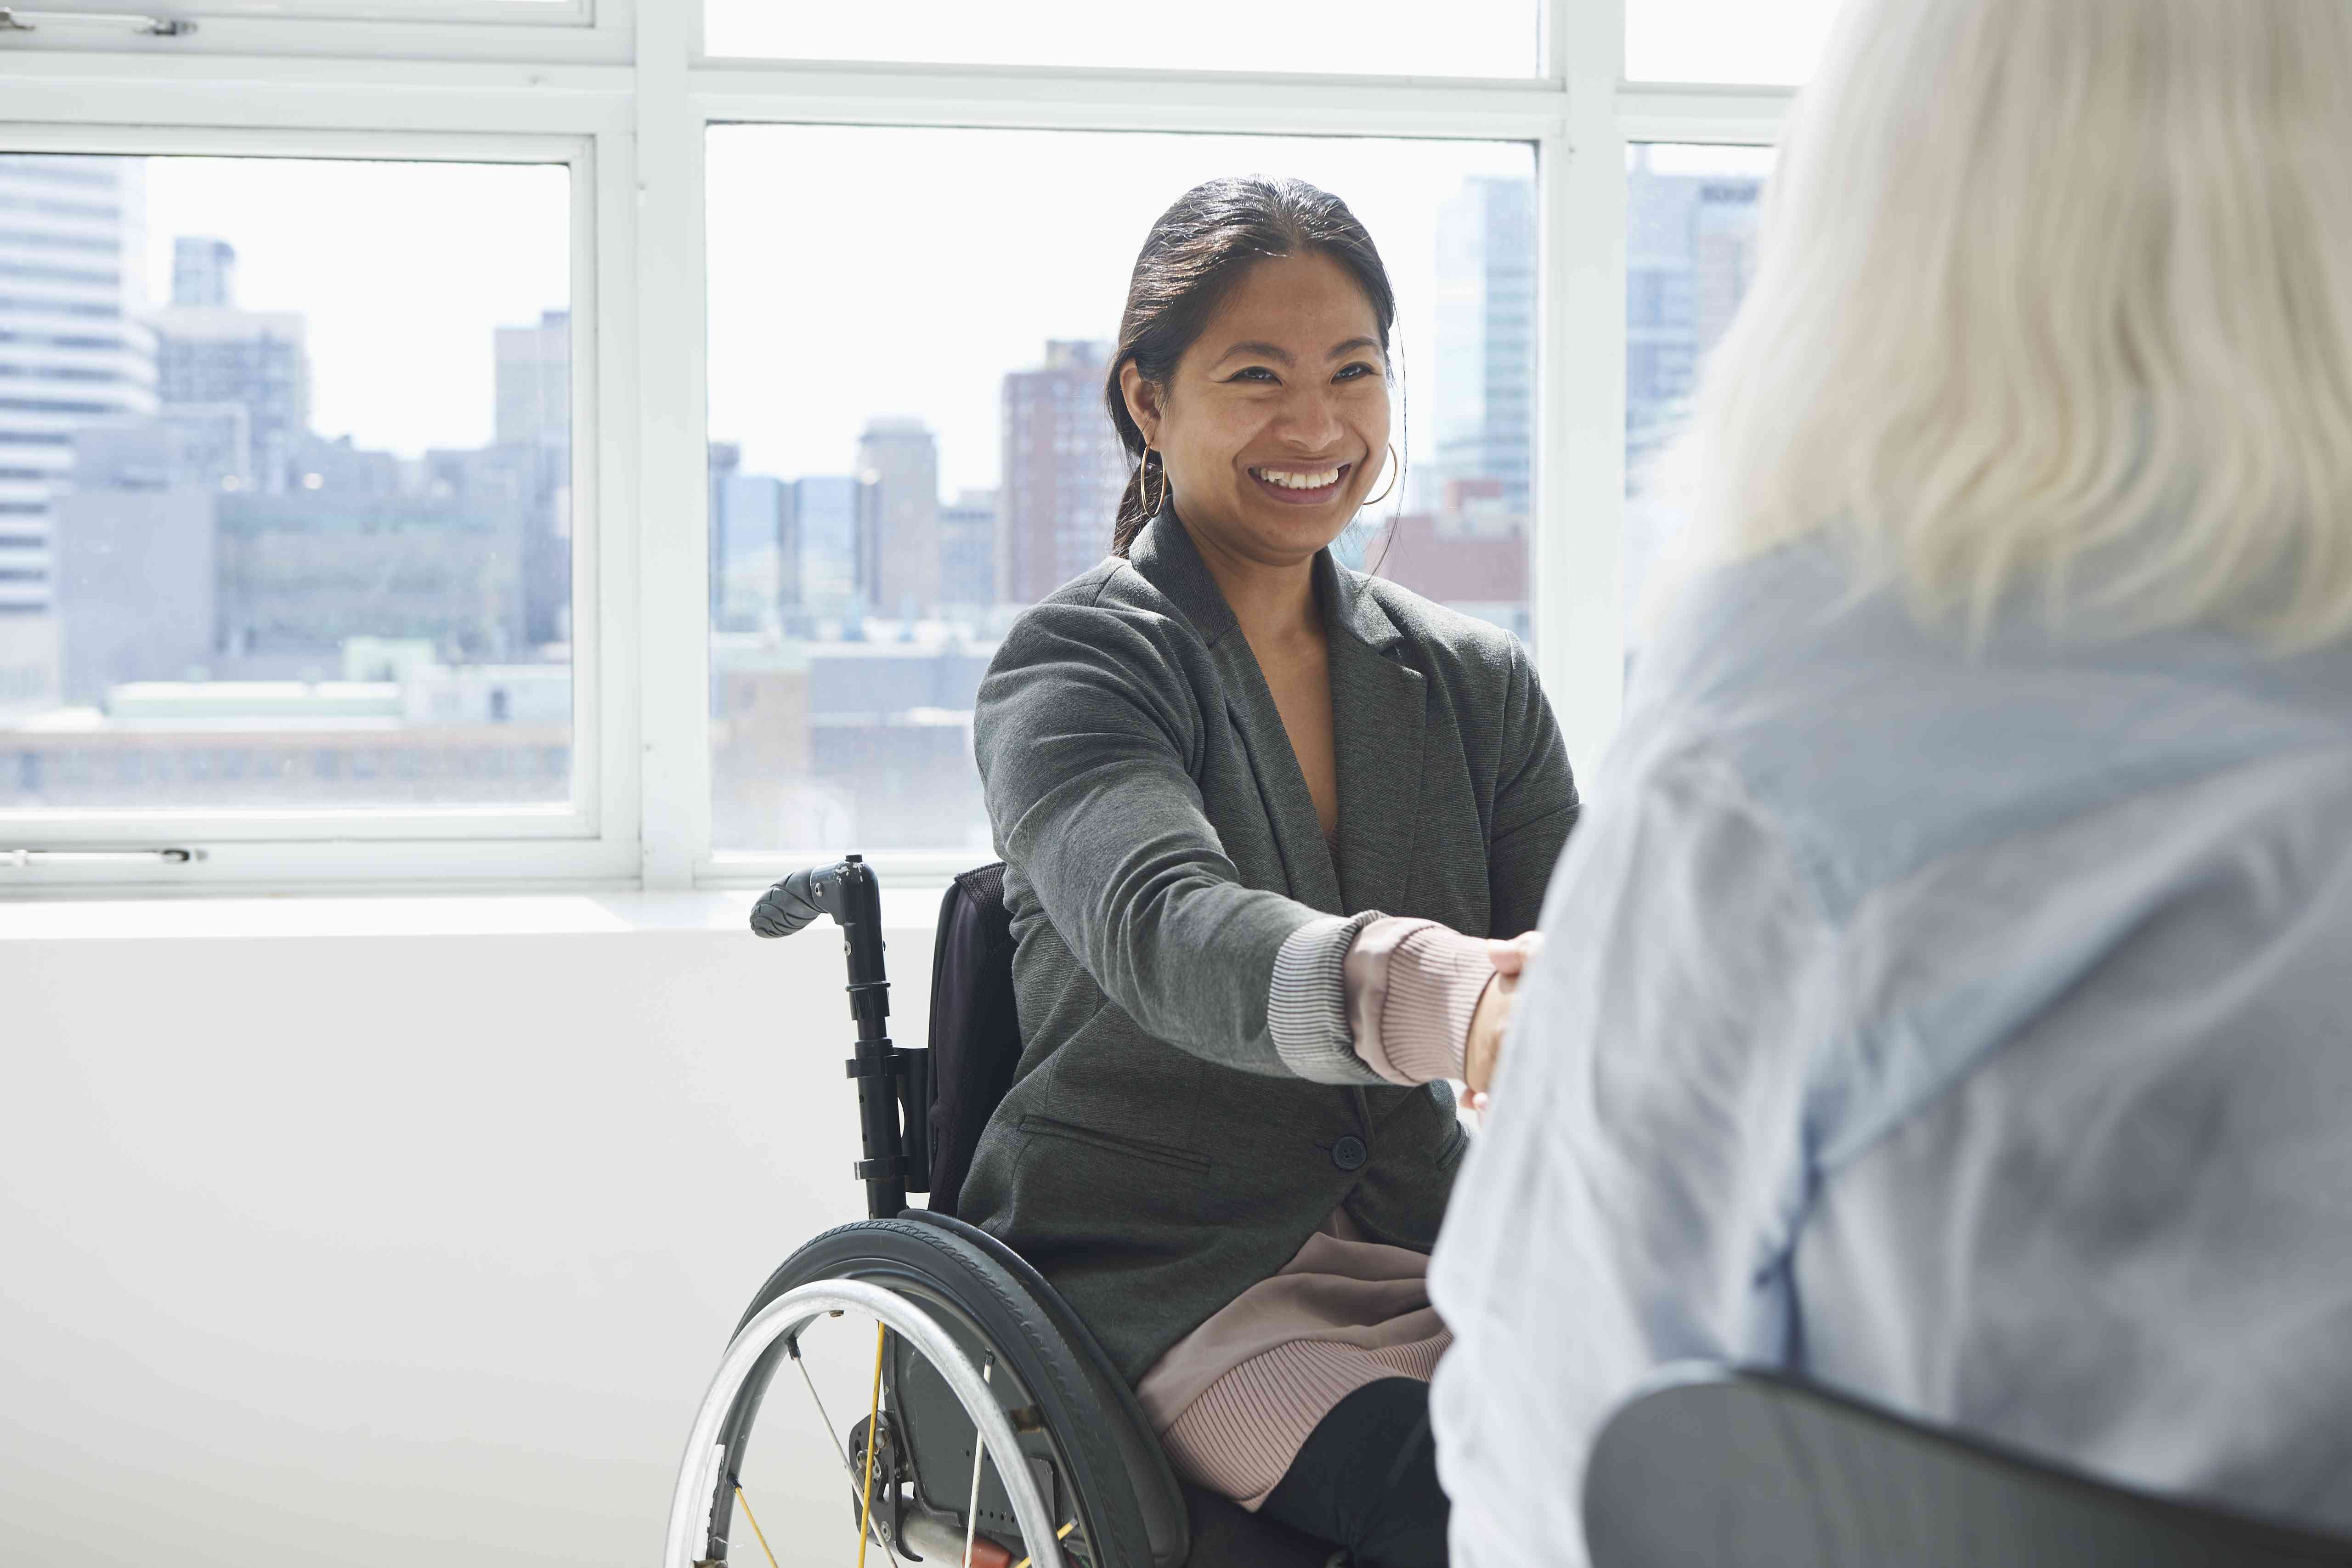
(403, 270)
(857, 272)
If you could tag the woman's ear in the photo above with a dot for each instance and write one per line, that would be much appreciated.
(1142, 402)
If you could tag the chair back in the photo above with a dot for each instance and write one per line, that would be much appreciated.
(1742, 1470)
(975, 1032)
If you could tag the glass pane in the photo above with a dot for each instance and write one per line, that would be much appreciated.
(1690, 250)
(285, 484)
(1767, 42)
(909, 442)
(1476, 37)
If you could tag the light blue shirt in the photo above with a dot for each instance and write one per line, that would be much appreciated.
(1971, 1033)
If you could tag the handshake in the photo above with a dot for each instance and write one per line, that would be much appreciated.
(1492, 1021)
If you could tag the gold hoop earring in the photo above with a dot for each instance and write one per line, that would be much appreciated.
(1397, 467)
(1142, 471)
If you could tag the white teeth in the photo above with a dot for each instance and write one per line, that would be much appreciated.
(1294, 481)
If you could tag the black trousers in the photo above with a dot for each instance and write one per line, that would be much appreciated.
(1366, 1479)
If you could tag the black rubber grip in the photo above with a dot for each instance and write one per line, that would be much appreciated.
(788, 905)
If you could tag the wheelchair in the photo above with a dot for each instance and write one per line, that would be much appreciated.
(997, 1432)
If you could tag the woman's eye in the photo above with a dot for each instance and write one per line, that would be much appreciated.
(1258, 372)
(1356, 372)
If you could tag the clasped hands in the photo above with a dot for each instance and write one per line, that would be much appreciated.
(1491, 1020)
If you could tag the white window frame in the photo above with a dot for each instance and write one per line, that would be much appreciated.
(557, 31)
(621, 93)
(87, 13)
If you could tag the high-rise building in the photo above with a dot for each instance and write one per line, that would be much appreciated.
(534, 381)
(303, 573)
(1460, 556)
(1690, 251)
(828, 532)
(1486, 336)
(138, 553)
(204, 270)
(748, 570)
(71, 352)
(213, 441)
(533, 388)
(1063, 470)
(212, 352)
(902, 458)
(968, 549)
(721, 460)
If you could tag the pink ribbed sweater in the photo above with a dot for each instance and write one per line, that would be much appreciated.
(1235, 1398)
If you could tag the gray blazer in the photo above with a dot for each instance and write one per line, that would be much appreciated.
(1158, 1154)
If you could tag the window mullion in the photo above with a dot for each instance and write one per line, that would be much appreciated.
(1577, 551)
(673, 648)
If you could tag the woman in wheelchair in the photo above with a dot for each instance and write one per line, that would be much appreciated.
(1261, 815)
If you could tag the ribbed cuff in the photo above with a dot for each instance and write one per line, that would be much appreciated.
(1307, 1005)
(1412, 988)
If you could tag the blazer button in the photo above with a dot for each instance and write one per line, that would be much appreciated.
(1349, 1153)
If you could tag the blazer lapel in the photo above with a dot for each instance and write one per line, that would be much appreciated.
(1379, 719)
(1165, 555)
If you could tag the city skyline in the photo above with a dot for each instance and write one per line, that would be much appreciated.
(853, 601)
(401, 330)
(906, 320)
(209, 602)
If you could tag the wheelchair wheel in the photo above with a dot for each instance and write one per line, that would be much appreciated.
(995, 1374)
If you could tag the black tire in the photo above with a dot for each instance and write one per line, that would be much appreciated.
(941, 1270)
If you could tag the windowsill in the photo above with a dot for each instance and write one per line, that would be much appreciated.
(904, 910)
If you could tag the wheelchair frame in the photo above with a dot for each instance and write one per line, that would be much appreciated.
(893, 1097)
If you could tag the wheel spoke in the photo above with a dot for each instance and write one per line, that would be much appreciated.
(1061, 1535)
(979, 1452)
(745, 1503)
(872, 1433)
(848, 1466)
(793, 1345)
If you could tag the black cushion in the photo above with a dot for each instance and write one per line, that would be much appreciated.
(1745, 1470)
(975, 1031)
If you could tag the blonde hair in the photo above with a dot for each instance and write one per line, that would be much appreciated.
(2055, 296)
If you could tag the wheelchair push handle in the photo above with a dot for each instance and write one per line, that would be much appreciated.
(807, 893)
(894, 1086)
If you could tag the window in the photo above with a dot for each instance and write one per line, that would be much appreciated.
(945, 458)
(310, 507)
(1690, 241)
(611, 582)
(1725, 40)
(527, 11)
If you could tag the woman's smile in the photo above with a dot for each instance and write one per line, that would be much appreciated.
(1301, 486)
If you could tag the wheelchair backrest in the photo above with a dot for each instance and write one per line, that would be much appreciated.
(975, 1032)
(1746, 1469)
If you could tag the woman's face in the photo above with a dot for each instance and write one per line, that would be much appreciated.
(1276, 424)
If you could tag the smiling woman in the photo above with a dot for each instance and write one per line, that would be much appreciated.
(1301, 421)
(1259, 813)
(1287, 403)
(1252, 361)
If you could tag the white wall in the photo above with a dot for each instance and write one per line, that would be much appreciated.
(413, 1238)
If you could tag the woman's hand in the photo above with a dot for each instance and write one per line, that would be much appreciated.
(1492, 1021)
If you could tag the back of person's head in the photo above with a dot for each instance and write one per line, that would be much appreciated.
(2054, 303)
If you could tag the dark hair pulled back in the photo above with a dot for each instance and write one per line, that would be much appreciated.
(1190, 261)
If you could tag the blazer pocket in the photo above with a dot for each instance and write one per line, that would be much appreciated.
(1167, 1154)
